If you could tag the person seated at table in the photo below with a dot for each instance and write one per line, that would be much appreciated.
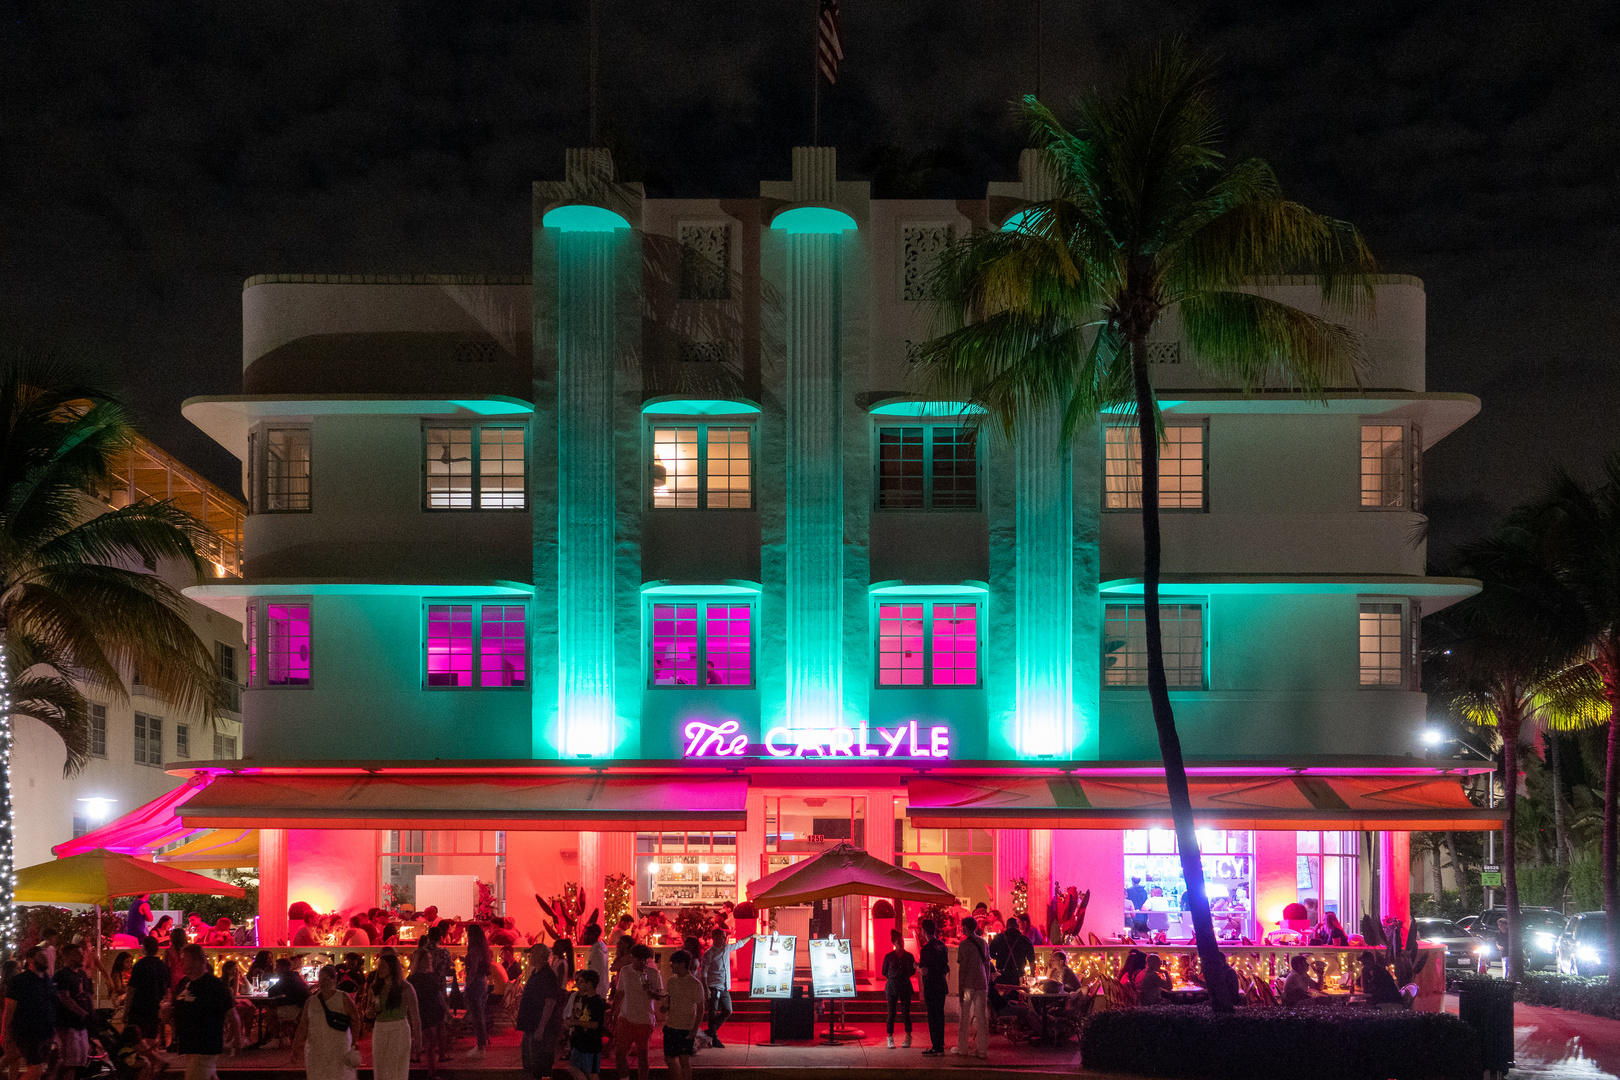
(238, 1019)
(1034, 933)
(163, 928)
(288, 992)
(1151, 982)
(351, 973)
(1156, 900)
(1059, 978)
(1377, 984)
(1014, 1002)
(510, 963)
(1300, 987)
(504, 932)
(1330, 932)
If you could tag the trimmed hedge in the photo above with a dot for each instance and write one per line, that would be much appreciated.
(1596, 996)
(1326, 1043)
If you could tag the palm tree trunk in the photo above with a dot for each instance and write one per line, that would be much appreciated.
(1457, 869)
(1513, 957)
(1611, 794)
(1439, 881)
(1554, 764)
(1217, 976)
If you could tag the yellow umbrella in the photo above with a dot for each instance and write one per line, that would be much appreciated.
(98, 876)
(221, 849)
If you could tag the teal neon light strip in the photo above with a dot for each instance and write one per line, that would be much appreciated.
(328, 588)
(813, 219)
(582, 217)
(928, 408)
(966, 588)
(729, 588)
(699, 407)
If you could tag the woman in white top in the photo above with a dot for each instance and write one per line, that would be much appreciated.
(329, 1054)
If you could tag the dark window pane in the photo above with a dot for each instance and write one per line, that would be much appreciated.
(900, 468)
(956, 477)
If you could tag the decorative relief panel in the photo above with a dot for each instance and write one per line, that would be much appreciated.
(1164, 352)
(920, 248)
(707, 352)
(706, 261)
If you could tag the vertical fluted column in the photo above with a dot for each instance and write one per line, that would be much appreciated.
(815, 555)
(1043, 586)
(585, 521)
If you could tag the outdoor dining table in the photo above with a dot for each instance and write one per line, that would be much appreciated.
(261, 1005)
(1186, 995)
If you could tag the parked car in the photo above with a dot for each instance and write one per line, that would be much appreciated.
(1582, 947)
(1468, 923)
(1459, 943)
(1539, 928)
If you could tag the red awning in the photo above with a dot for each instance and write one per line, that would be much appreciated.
(1284, 802)
(141, 831)
(602, 803)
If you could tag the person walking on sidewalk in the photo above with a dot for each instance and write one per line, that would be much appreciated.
(973, 988)
(933, 965)
(715, 967)
(898, 967)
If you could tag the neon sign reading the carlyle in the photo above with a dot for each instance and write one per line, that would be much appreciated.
(908, 740)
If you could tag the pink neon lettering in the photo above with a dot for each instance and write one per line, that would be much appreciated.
(710, 740)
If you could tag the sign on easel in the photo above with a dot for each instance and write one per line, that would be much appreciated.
(772, 975)
(832, 968)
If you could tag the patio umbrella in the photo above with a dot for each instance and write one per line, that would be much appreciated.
(221, 849)
(97, 877)
(846, 870)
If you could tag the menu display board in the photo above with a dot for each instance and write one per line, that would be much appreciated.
(832, 968)
(773, 966)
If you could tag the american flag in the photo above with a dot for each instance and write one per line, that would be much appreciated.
(830, 44)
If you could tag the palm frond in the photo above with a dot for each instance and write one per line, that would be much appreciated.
(145, 532)
(1256, 340)
(55, 702)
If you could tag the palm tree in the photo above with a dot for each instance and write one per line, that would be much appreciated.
(1500, 659)
(1054, 312)
(1576, 531)
(80, 602)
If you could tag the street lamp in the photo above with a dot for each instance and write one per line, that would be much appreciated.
(1436, 737)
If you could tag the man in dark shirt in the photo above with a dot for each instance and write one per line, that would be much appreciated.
(29, 1022)
(288, 992)
(148, 986)
(1136, 894)
(1017, 954)
(933, 965)
(201, 1003)
(73, 1005)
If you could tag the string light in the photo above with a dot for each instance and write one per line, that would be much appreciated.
(8, 818)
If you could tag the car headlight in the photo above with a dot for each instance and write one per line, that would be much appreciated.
(1484, 948)
(1589, 954)
(1545, 940)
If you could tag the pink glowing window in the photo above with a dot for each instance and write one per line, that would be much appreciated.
(287, 635)
(900, 644)
(702, 644)
(449, 645)
(729, 645)
(502, 645)
(675, 644)
(956, 645)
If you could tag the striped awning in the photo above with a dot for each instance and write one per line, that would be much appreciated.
(1287, 801)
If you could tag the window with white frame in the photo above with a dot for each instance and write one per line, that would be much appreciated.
(701, 466)
(1125, 654)
(1383, 644)
(475, 466)
(98, 731)
(1181, 467)
(927, 467)
(148, 739)
(1383, 467)
(280, 631)
(698, 642)
(928, 643)
(224, 746)
(476, 645)
(182, 740)
(281, 457)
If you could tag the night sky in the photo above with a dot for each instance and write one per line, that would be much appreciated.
(152, 155)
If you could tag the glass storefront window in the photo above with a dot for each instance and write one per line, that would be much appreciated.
(685, 869)
(965, 858)
(410, 854)
(1154, 884)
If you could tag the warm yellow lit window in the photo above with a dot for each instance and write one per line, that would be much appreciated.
(1181, 468)
(1383, 466)
(1383, 645)
(701, 466)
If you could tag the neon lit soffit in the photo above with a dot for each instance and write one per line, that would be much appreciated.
(582, 217)
(813, 219)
